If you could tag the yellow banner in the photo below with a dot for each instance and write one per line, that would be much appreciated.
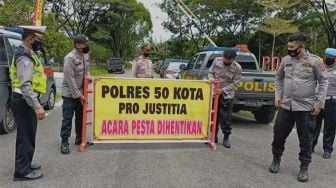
(38, 12)
(136, 109)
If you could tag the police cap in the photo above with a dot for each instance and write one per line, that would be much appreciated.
(330, 52)
(36, 30)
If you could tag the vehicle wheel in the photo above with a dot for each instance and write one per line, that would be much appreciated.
(264, 116)
(8, 123)
(109, 71)
(51, 99)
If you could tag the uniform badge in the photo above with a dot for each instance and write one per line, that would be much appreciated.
(306, 62)
(322, 66)
(217, 71)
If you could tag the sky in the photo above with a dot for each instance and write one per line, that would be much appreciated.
(159, 34)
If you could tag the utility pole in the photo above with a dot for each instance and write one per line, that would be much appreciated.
(193, 18)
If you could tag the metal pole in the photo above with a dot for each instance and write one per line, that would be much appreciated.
(178, 3)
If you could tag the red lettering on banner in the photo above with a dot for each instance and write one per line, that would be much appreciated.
(179, 127)
(142, 127)
(114, 127)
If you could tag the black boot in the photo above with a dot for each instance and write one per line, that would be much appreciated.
(65, 150)
(78, 140)
(226, 142)
(326, 155)
(303, 175)
(275, 166)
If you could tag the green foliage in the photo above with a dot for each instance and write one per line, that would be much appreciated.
(122, 27)
(279, 4)
(16, 12)
(99, 54)
(277, 26)
(57, 44)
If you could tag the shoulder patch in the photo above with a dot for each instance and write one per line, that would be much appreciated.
(25, 60)
(321, 65)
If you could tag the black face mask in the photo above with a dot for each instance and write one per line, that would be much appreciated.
(329, 61)
(146, 54)
(86, 50)
(37, 45)
(294, 53)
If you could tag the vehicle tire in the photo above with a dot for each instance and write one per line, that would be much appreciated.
(264, 116)
(8, 123)
(109, 71)
(51, 100)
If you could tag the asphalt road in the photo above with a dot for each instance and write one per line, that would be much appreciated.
(166, 165)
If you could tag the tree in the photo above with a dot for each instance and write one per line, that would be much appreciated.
(16, 12)
(75, 16)
(275, 25)
(326, 13)
(122, 27)
(57, 44)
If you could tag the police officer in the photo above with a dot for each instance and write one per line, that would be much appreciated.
(75, 69)
(301, 88)
(28, 81)
(329, 112)
(228, 72)
(143, 66)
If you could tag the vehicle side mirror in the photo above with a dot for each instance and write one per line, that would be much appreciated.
(182, 66)
(51, 61)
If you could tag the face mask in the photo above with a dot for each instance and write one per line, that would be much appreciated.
(37, 45)
(86, 50)
(294, 53)
(329, 61)
(146, 54)
(227, 64)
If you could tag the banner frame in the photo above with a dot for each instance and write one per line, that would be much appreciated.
(215, 87)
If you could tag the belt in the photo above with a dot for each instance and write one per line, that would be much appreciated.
(330, 97)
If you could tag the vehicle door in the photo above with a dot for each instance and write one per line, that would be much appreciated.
(206, 66)
(5, 55)
(198, 66)
(188, 72)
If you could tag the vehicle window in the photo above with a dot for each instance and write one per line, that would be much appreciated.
(165, 64)
(3, 54)
(200, 61)
(15, 43)
(211, 60)
(175, 65)
(192, 62)
(9, 50)
(246, 62)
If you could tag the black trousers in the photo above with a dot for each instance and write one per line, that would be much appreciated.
(329, 116)
(283, 126)
(26, 122)
(69, 108)
(224, 115)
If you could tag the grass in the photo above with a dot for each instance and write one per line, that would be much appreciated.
(99, 70)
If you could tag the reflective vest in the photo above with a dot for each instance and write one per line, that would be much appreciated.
(39, 80)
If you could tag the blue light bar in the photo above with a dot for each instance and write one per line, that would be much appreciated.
(14, 29)
(211, 48)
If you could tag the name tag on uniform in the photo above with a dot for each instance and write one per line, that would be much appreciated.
(306, 69)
